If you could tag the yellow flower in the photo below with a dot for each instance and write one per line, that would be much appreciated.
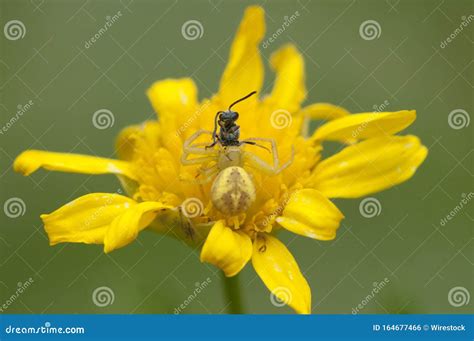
(161, 186)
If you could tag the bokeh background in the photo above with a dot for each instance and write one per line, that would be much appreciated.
(404, 66)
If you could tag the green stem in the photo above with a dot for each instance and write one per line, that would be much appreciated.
(232, 294)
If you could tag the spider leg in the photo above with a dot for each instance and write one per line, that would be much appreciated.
(254, 144)
(274, 148)
(258, 163)
(208, 173)
(187, 162)
(255, 162)
(290, 160)
(190, 148)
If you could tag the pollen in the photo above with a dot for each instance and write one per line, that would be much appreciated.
(233, 191)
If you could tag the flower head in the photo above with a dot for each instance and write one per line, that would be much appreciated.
(232, 198)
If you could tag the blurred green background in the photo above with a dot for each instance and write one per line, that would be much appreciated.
(405, 66)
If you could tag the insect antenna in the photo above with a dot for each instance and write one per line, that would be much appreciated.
(243, 98)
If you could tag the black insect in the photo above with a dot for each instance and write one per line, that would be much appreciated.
(229, 131)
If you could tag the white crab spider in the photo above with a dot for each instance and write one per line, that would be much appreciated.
(233, 190)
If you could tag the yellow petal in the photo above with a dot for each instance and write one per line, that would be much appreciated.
(227, 249)
(125, 142)
(279, 271)
(365, 125)
(289, 89)
(244, 71)
(311, 214)
(100, 218)
(31, 160)
(86, 219)
(147, 133)
(323, 111)
(175, 101)
(125, 228)
(173, 96)
(369, 166)
(170, 96)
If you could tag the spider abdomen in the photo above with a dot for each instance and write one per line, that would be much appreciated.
(233, 191)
